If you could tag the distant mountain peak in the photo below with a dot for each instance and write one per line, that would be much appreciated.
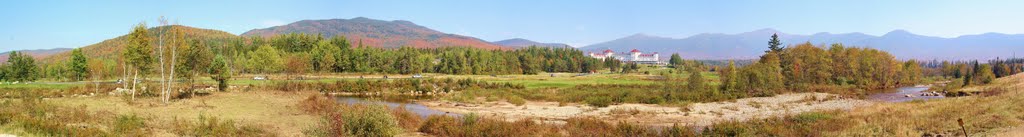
(361, 18)
(822, 33)
(521, 42)
(644, 36)
(898, 32)
(639, 35)
(765, 30)
(518, 39)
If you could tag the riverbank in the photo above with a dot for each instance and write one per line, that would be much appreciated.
(697, 114)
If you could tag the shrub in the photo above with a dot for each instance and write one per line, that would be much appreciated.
(40, 118)
(441, 126)
(317, 104)
(212, 126)
(588, 127)
(369, 121)
(627, 129)
(599, 101)
(129, 125)
(729, 128)
(678, 131)
(811, 117)
(518, 101)
(475, 126)
(406, 119)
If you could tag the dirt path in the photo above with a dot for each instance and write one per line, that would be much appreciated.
(698, 114)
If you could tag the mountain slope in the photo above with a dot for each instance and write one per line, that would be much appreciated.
(521, 43)
(377, 33)
(110, 49)
(749, 45)
(37, 54)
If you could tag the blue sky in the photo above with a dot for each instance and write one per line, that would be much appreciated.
(52, 24)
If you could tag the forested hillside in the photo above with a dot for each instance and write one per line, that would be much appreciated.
(376, 33)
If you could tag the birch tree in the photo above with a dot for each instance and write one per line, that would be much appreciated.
(138, 55)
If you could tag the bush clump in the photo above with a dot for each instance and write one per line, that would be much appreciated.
(473, 125)
(599, 101)
(213, 126)
(369, 121)
(518, 101)
(130, 125)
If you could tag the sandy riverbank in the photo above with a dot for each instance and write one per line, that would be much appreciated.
(697, 114)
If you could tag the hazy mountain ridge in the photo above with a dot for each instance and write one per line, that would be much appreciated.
(521, 43)
(37, 54)
(903, 44)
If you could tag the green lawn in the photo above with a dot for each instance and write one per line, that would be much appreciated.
(40, 86)
(561, 80)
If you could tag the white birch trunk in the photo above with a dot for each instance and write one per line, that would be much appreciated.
(134, 83)
(170, 84)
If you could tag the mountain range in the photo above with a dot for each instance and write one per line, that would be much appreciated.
(37, 54)
(377, 33)
(749, 45)
(708, 46)
(522, 43)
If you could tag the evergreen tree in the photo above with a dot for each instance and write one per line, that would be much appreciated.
(3, 72)
(613, 64)
(774, 44)
(984, 75)
(79, 65)
(676, 61)
(220, 72)
(21, 68)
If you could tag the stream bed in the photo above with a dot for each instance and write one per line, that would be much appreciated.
(421, 110)
(904, 94)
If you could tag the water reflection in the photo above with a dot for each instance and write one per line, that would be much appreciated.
(904, 94)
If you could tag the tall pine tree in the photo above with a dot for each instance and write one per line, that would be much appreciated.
(79, 65)
(774, 45)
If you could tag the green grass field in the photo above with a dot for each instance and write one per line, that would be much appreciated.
(645, 75)
(561, 80)
(40, 86)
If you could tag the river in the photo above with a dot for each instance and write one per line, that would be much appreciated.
(901, 94)
(421, 110)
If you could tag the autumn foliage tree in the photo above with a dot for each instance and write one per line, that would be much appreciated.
(138, 54)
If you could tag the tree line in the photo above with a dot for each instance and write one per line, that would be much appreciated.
(964, 73)
(808, 67)
(173, 55)
(301, 53)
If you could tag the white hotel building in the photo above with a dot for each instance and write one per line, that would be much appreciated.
(633, 56)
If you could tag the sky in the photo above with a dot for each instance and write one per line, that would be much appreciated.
(70, 24)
